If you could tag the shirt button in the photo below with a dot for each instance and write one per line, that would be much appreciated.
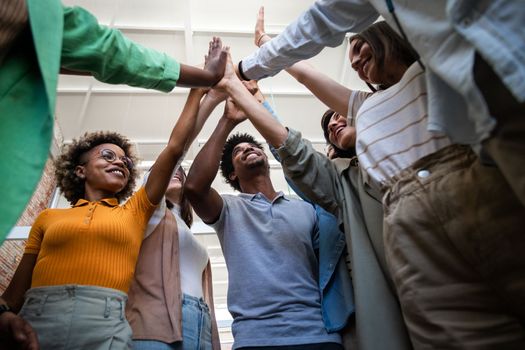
(423, 173)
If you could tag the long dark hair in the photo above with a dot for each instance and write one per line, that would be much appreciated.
(339, 153)
(384, 42)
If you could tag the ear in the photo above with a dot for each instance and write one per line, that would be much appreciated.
(233, 176)
(80, 172)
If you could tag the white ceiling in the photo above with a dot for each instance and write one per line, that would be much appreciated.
(183, 29)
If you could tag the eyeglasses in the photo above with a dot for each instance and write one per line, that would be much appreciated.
(110, 157)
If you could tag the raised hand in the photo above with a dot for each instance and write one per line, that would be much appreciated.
(215, 60)
(229, 74)
(233, 113)
(260, 37)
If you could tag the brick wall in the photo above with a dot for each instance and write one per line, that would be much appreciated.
(11, 250)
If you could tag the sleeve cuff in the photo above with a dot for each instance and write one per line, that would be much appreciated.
(290, 144)
(170, 76)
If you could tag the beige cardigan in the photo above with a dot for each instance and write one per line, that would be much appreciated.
(154, 309)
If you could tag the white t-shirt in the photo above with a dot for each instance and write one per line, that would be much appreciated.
(193, 256)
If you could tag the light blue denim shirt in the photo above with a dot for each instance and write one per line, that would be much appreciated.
(335, 284)
(446, 33)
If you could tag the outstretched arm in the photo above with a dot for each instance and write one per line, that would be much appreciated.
(325, 23)
(181, 136)
(179, 140)
(270, 129)
(204, 199)
(334, 95)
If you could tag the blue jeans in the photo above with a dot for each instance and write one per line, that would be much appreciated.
(196, 329)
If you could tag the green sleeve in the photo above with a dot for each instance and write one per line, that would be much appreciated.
(112, 58)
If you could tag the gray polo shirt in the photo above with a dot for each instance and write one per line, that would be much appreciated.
(273, 293)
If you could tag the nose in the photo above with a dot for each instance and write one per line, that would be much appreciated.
(355, 61)
(118, 161)
(248, 149)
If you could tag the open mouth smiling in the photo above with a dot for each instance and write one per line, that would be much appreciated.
(117, 171)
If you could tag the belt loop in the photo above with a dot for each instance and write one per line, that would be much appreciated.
(122, 308)
(107, 308)
(41, 306)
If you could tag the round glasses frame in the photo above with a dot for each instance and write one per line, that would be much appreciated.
(110, 157)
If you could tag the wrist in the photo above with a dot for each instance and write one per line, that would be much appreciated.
(241, 73)
(261, 36)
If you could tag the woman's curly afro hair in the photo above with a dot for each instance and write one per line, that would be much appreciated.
(70, 184)
(226, 159)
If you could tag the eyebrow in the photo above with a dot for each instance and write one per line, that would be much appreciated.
(357, 42)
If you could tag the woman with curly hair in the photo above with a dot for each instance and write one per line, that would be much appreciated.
(79, 262)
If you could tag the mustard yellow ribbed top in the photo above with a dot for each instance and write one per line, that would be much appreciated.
(92, 243)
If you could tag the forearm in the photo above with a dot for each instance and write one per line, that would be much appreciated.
(188, 125)
(207, 106)
(262, 120)
(162, 170)
(334, 95)
(206, 163)
(325, 23)
(204, 199)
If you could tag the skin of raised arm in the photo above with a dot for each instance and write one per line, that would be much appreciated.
(262, 120)
(180, 138)
(206, 202)
(212, 99)
(334, 95)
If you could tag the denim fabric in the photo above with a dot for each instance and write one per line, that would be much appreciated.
(196, 329)
(78, 317)
(196, 324)
(155, 345)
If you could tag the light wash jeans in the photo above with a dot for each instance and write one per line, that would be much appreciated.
(196, 329)
(78, 317)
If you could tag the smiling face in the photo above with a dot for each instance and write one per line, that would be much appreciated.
(340, 133)
(174, 190)
(101, 175)
(248, 156)
(372, 69)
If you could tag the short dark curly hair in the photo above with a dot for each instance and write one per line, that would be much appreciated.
(69, 183)
(226, 159)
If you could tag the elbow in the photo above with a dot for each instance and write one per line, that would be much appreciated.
(191, 190)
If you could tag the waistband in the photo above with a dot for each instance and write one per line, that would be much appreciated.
(197, 302)
(427, 169)
(77, 290)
